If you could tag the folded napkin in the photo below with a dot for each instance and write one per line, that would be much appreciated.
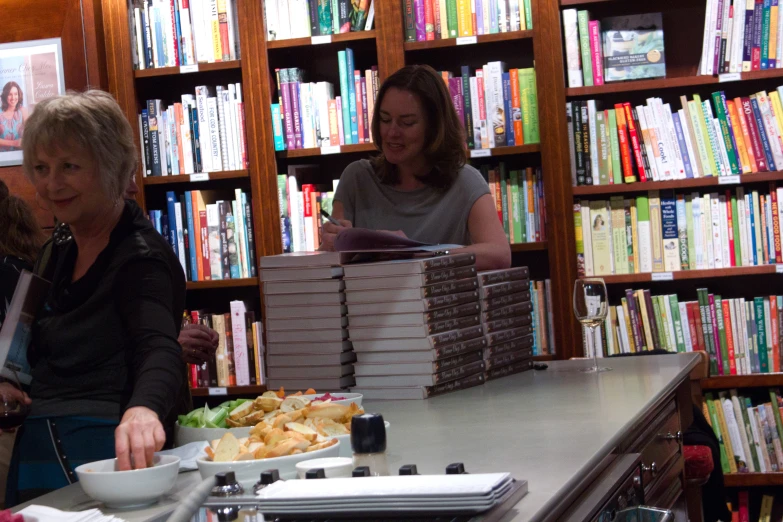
(37, 513)
(188, 454)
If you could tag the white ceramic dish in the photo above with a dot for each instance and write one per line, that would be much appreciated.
(185, 435)
(126, 489)
(345, 442)
(349, 397)
(248, 471)
(337, 467)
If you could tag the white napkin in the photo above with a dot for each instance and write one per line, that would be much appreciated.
(187, 454)
(35, 513)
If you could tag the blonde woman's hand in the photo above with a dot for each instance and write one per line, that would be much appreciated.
(137, 438)
(330, 231)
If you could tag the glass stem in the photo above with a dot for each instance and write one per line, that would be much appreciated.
(595, 347)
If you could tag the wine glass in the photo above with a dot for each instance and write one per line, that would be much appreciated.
(13, 411)
(590, 306)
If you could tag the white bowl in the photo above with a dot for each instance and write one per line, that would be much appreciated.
(349, 397)
(186, 435)
(336, 467)
(345, 442)
(248, 471)
(126, 489)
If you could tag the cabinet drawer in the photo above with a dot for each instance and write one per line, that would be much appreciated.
(658, 445)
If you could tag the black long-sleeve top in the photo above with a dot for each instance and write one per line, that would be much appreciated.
(108, 341)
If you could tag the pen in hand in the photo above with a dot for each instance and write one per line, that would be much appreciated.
(329, 218)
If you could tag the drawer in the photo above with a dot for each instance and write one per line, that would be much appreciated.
(667, 489)
(658, 444)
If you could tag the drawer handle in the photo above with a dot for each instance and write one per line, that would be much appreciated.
(652, 469)
(676, 436)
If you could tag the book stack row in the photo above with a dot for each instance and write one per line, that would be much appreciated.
(306, 323)
(507, 321)
(741, 36)
(668, 232)
(305, 18)
(519, 199)
(497, 107)
(440, 19)
(300, 207)
(308, 115)
(415, 326)
(212, 237)
(612, 49)
(172, 33)
(743, 507)
(204, 132)
(749, 436)
(653, 143)
(742, 337)
(239, 360)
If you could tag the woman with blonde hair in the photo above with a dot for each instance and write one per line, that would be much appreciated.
(106, 366)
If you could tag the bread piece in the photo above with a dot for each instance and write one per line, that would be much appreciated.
(260, 429)
(273, 437)
(296, 415)
(297, 452)
(281, 420)
(244, 456)
(326, 410)
(242, 410)
(214, 443)
(353, 409)
(253, 446)
(270, 416)
(268, 404)
(233, 424)
(333, 429)
(303, 430)
(210, 453)
(227, 449)
(243, 441)
(260, 452)
(294, 435)
(269, 393)
(284, 448)
(322, 445)
(252, 419)
(294, 403)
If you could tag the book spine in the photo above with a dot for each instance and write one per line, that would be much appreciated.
(754, 135)
(625, 150)
(410, 21)
(583, 20)
(635, 142)
(596, 52)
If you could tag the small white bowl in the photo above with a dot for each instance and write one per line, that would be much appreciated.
(349, 398)
(336, 467)
(345, 442)
(185, 435)
(248, 471)
(127, 489)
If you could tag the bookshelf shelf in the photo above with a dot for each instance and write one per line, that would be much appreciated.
(743, 480)
(202, 67)
(547, 357)
(622, 188)
(668, 83)
(690, 274)
(567, 3)
(725, 382)
(537, 246)
(343, 149)
(505, 151)
(313, 41)
(225, 283)
(228, 391)
(186, 178)
(454, 42)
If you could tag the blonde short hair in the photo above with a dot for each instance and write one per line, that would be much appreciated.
(91, 120)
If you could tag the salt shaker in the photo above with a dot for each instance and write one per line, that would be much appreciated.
(368, 441)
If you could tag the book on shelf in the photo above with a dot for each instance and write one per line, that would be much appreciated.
(440, 19)
(612, 49)
(678, 232)
(519, 199)
(746, 36)
(239, 360)
(213, 237)
(300, 207)
(172, 34)
(312, 116)
(287, 19)
(202, 132)
(497, 108)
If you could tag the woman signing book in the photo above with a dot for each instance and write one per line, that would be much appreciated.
(420, 184)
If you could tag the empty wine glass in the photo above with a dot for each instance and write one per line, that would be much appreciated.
(590, 306)
(13, 410)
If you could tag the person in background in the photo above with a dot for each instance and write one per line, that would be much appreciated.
(106, 365)
(13, 114)
(420, 185)
(3, 190)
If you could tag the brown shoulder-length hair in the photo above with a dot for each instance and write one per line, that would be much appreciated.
(445, 135)
(20, 235)
(6, 91)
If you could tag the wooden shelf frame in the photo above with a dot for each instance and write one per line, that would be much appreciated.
(679, 184)
(758, 380)
(745, 480)
(334, 39)
(535, 246)
(186, 178)
(202, 67)
(222, 283)
(247, 392)
(690, 274)
(480, 39)
(344, 149)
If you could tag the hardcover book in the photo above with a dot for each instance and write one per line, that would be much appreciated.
(633, 47)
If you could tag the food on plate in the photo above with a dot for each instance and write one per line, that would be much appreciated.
(278, 443)
(328, 397)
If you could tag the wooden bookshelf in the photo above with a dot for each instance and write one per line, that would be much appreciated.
(468, 40)
(724, 382)
(571, 3)
(199, 178)
(248, 392)
(322, 40)
(223, 283)
(202, 67)
(510, 150)
(688, 274)
(546, 357)
(678, 184)
(326, 151)
(745, 480)
(538, 246)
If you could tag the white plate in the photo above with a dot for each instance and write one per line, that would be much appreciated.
(349, 397)
(186, 435)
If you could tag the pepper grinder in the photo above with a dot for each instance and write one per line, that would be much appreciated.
(368, 441)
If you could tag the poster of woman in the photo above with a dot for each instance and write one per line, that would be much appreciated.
(29, 73)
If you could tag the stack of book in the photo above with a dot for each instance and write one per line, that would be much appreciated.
(415, 326)
(749, 436)
(506, 321)
(306, 323)
(519, 200)
(305, 18)
(440, 19)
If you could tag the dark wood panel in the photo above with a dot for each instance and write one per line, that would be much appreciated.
(530, 247)
(391, 56)
(171, 180)
(344, 149)
(594, 190)
(726, 382)
(481, 39)
(249, 392)
(202, 67)
(744, 480)
(691, 274)
(335, 38)
(225, 283)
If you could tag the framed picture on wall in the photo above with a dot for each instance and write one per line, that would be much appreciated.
(30, 72)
